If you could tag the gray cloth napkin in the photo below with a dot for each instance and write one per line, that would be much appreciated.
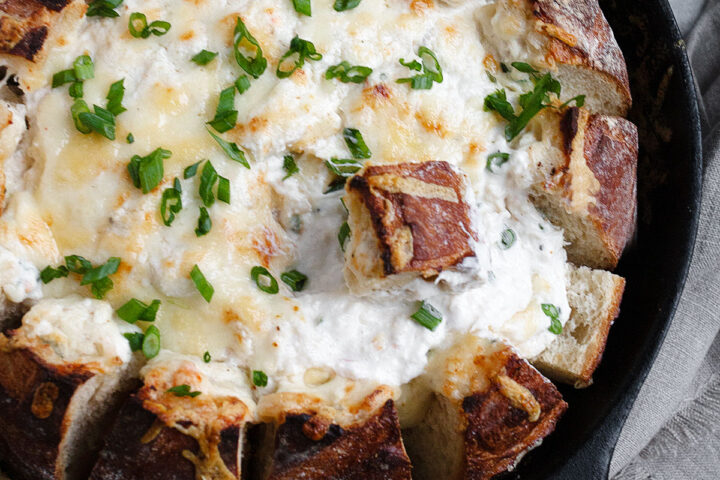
(673, 430)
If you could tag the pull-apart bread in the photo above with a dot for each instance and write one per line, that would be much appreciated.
(274, 239)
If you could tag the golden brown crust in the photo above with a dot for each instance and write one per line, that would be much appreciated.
(419, 214)
(309, 447)
(140, 447)
(580, 35)
(25, 24)
(499, 429)
(34, 400)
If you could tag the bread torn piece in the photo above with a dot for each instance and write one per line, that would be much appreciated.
(594, 297)
(305, 436)
(575, 43)
(160, 434)
(29, 28)
(489, 408)
(58, 388)
(587, 182)
(407, 221)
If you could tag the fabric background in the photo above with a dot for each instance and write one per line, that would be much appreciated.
(673, 430)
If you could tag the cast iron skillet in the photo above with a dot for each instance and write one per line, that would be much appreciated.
(656, 264)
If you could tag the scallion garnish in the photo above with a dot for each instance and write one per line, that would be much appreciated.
(96, 277)
(147, 172)
(135, 340)
(343, 167)
(496, 160)
(102, 121)
(225, 115)
(523, 67)
(553, 313)
(171, 203)
(507, 238)
(151, 342)
(294, 279)
(242, 84)
(103, 8)
(115, 97)
(342, 5)
(78, 107)
(223, 190)
(182, 391)
(347, 73)
(208, 177)
(130, 138)
(135, 310)
(76, 90)
(201, 283)
(289, 166)
(304, 49)
(431, 70)
(343, 235)
(103, 271)
(191, 170)
(259, 378)
(335, 185)
(204, 223)
(62, 77)
(49, 273)
(427, 316)
(264, 280)
(204, 57)
(303, 7)
(356, 144)
(139, 27)
(206, 357)
(579, 101)
(231, 150)
(243, 41)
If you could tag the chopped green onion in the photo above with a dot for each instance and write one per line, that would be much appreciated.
(151, 342)
(49, 273)
(182, 391)
(135, 310)
(491, 77)
(294, 279)
(204, 57)
(115, 97)
(147, 172)
(335, 185)
(343, 235)
(264, 280)
(553, 313)
(431, 70)
(130, 138)
(101, 287)
(523, 67)
(191, 170)
(103, 8)
(259, 378)
(231, 150)
(304, 49)
(102, 121)
(223, 191)
(507, 238)
(62, 77)
(135, 340)
(414, 65)
(84, 68)
(342, 5)
(208, 177)
(356, 144)
(289, 166)
(76, 90)
(79, 107)
(242, 84)
(347, 73)
(77, 264)
(225, 115)
(497, 101)
(427, 316)
(496, 160)
(343, 167)
(243, 40)
(579, 101)
(203, 286)
(204, 223)
(103, 271)
(504, 68)
(171, 203)
(139, 28)
(303, 7)
(206, 357)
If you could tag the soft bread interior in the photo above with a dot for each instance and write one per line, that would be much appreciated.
(594, 296)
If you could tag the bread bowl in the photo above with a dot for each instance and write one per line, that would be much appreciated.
(274, 225)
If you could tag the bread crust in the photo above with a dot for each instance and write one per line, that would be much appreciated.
(25, 24)
(309, 446)
(579, 35)
(139, 446)
(34, 400)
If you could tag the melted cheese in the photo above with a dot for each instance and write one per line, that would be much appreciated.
(80, 190)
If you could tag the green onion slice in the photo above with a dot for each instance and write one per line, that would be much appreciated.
(242, 84)
(303, 7)
(294, 279)
(206, 357)
(244, 42)
(201, 283)
(289, 166)
(151, 342)
(427, 316)
(147, 172)
(130, 138)
(182, 391)
(264, 280)
(115, 97)
(171, 203)
(259, 378)
(347, 73)
(135, 310)
(191, 170)
(356, 144)
(84, 68)
(553, 313)
(343, 167)
(507, 238)
(204, 57)
(103, 8)
(135, 340)
(49, 273)
(342, 5)
(304, 49)
(343, 235)
(225, 115)
(204, 223)
(208, 177)
(223, 191)
(231, 150)
(496, 160)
